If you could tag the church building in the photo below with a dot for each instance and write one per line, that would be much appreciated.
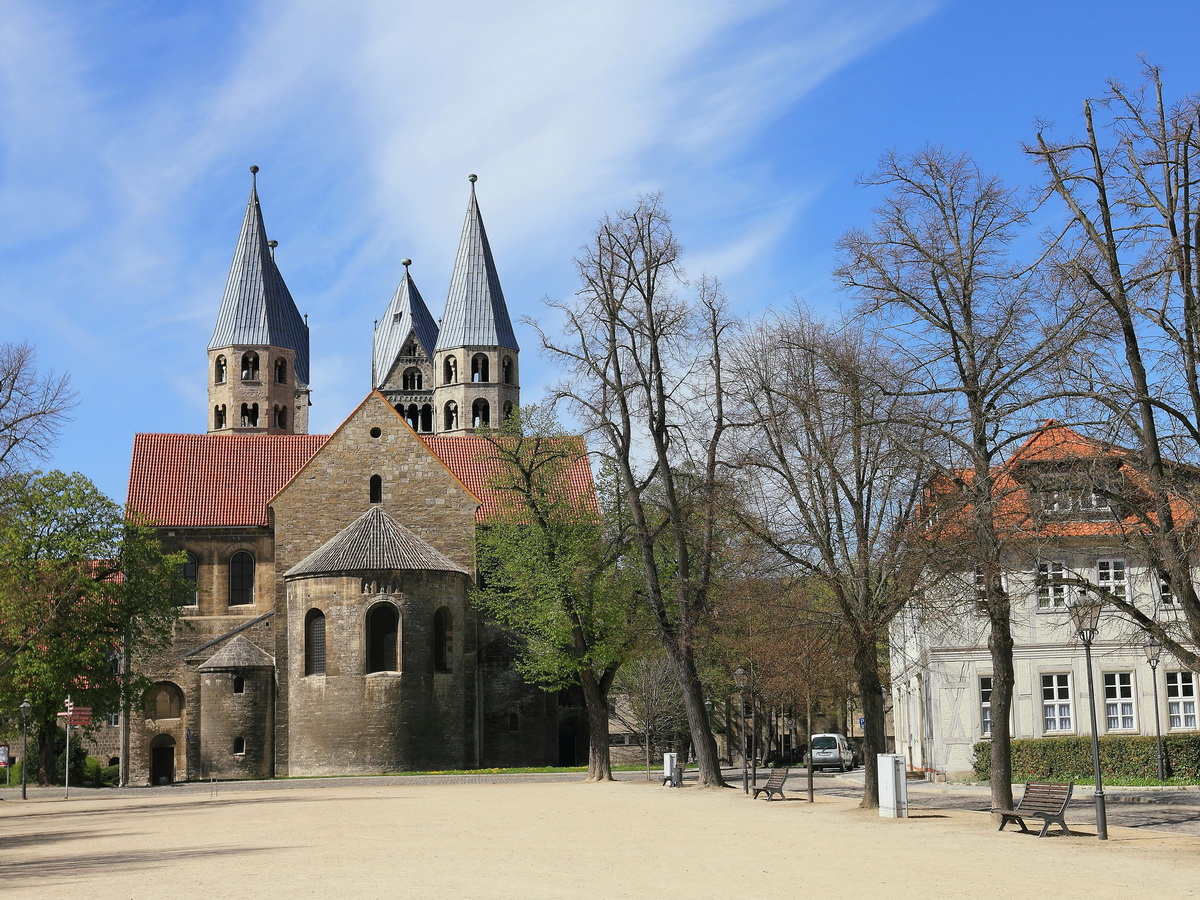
(328, 629)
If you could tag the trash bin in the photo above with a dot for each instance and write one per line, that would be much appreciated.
(669, 761)
(677, 776)
(893, 785)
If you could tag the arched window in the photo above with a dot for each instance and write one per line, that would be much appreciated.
(164, 700)
(410, 349)
(412, 416)
(376, 489)
(514, 722)
(383, 625)
(411, 379)
(241, 579)
(219, 370)
(249, 415)
(508, 410)
(443, 639)
(479, 367)
(281, 417)
(239, 684)
(281, 371)
(314, 643)
(250, 366)
(480, 414)
(450, 371)
(218, 416)
(189, 592)
(239, 746)
(426, 419)
(450, 417)
(507, 365)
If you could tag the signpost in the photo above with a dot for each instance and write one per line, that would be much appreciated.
(76, 716)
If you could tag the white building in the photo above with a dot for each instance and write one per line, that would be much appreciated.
(1059, 527)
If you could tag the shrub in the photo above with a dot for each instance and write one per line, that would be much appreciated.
(1070, 758)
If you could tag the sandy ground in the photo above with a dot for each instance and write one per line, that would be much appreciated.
(627, 839)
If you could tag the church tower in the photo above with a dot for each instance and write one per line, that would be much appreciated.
(258, 355)
(475, 358)
(402, 355)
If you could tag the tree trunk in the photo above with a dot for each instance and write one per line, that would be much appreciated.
(707, 760)
(1000, 643)
(866, 663)
(46, 755)
(595, 701)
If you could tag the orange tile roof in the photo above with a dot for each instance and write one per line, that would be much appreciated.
(209, 480)
(1053, 442)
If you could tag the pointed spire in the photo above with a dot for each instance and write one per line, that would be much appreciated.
(476, 314)
(257, 308)
(406, 314)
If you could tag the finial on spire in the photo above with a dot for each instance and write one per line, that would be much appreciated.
(472, 179)
(406, 262)
(254, 176)
(272, 245)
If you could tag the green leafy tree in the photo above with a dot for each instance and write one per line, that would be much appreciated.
(77, 584)
(551, 569)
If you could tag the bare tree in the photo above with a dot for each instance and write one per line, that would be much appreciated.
(646, 377)
(834, 467)
(1129, 185)
(648, 703)
(33, 406)
(973, 332)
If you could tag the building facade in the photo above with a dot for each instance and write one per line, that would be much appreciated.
(328, 627)
(1062, 532)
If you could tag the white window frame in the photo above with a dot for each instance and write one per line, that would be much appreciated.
(985, 705)
(1165, 594)
(1058, 715)
(1113, 575)
(114, 720)
(1181, 700)
(1051, 596)
(1118, 702)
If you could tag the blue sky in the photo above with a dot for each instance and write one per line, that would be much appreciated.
(126, 132)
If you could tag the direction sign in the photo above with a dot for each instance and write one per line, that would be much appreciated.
(3, 756)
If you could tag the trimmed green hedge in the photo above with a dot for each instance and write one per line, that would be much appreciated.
(1070, 758)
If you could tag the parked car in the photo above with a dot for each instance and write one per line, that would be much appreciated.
(831, 751)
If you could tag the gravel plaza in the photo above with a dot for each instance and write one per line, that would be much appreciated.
(520, 838)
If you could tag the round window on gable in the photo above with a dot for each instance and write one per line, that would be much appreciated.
(376, 431)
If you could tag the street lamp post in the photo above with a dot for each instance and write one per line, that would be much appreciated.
(1153, 652)
(1085, 615)
(26, 708)
(739, 678)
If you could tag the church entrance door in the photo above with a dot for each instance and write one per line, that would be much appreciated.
(162, 760)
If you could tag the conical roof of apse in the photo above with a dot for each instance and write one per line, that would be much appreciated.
(374, 541)
(257, 308)
(406, 313)
(476, 314)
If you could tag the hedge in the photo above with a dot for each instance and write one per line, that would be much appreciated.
(1070, 758)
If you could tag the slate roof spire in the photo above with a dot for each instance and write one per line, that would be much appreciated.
(476, 315)
(257, 308)
(406, 313)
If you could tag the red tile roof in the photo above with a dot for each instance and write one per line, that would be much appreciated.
(1052, 443)
(213, 480)
(209, 480)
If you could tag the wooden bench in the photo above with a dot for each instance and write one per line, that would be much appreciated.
(774, 785)
(1046, 799)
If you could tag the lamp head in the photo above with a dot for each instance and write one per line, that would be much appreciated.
(739, 677)
(1085, 615)
(1153, 651)
(26, 708)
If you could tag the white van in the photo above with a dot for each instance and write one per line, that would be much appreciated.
(831, 751)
